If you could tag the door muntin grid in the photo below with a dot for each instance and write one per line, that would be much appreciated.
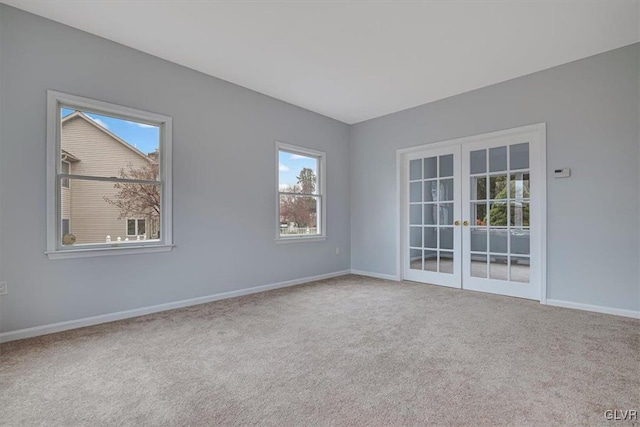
(499, 203)
(431, 214)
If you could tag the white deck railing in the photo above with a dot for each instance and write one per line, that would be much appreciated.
(298, 230)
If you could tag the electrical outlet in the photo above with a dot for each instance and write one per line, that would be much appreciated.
(337, 251)
(3, 288)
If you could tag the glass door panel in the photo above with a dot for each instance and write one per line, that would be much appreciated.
(496, 236)
(433, 220)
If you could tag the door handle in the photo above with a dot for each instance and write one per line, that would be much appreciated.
(466, 223)
(457, 223)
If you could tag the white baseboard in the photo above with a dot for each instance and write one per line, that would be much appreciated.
(596, 308)
(111, 317)
(376, 275)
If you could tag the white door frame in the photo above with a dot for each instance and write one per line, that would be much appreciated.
(540, 129)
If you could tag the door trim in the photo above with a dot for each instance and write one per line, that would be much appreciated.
(540, 129)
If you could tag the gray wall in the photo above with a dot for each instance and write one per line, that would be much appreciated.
(591, 110)
(224, 190)
(223, 167)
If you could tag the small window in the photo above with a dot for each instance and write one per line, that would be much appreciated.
(136, 227)
(109, 174)
(301, 194)
(66, 170)
(66, 228)
(131, 227)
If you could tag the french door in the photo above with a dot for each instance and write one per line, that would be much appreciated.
(473, 214)
(432, 217)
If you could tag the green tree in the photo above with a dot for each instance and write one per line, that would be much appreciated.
(307, 181)
(306, 206)
(498, 211)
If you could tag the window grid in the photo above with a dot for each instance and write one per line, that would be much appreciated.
(489, 254)
(438, 203)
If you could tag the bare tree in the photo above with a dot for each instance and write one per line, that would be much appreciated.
(137, 199)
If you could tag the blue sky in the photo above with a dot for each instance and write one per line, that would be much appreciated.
(290, 166)
(144, 137)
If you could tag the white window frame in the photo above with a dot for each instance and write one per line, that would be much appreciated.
(55, 249)
(321, 193)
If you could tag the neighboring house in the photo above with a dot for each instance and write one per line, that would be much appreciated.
(91, 150)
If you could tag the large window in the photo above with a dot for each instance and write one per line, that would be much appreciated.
(108, 177)
(301, 194)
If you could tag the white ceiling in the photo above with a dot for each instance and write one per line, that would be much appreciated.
(356, 60)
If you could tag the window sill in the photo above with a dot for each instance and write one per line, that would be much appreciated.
(129, 250)
(300, 239)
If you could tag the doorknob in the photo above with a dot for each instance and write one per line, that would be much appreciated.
(466, 223)
(457, 223)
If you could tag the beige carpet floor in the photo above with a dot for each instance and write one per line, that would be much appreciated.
(346, 351)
